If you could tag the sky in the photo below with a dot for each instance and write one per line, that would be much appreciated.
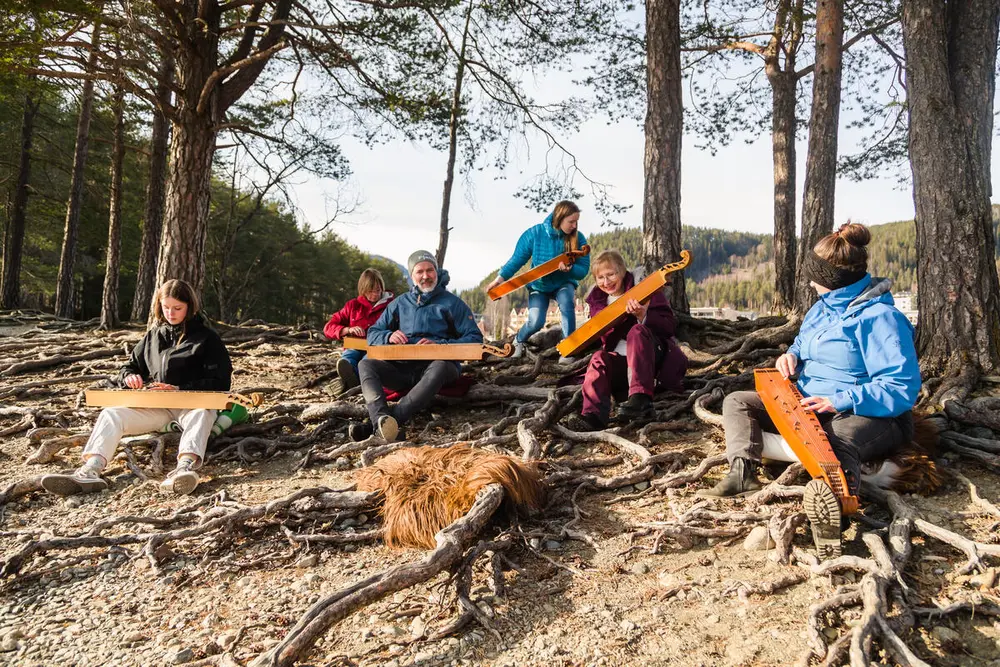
(399, 185)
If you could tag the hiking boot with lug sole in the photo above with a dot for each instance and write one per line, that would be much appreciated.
(183, 480)
(638, 406)
(741, 481)
(348, 376)
(84, 479)
(388, 429)
(823, 509)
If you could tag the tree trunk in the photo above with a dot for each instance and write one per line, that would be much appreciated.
(950, 65)
(109, 299)
(456, 113)
(661, 219)
(821, 161)
(972, 39)
(67, 258)
(783, 126)
(10, 286)
(185, 219)
(152, 226)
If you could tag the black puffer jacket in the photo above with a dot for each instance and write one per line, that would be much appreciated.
(190, 356)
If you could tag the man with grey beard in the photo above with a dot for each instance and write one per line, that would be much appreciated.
(427, 314)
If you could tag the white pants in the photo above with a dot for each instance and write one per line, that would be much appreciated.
(776, 449)
(114, 423)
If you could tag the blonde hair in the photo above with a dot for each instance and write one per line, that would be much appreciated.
(175, 289)
(563, 210)
(845, 248)
(369, 280)
(612, 257)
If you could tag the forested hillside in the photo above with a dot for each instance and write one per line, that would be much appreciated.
(736, 269)
(261, 262)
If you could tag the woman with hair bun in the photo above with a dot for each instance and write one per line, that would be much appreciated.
(857, 370)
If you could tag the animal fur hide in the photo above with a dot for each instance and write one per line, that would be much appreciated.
(911, 470)
(426, 488)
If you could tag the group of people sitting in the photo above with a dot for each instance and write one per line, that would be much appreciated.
(854, 357)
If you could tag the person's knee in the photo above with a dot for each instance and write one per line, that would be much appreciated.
(444, 371)
(734, 403)
(639, 332)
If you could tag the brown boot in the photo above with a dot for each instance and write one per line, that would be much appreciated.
(741, 481)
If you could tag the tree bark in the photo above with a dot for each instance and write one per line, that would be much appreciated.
(152, 226)
(456, 113)
(192, 147)
(112, 269)
(206, 92)
(972, 39)
(783, 126)
(13, 246)
(661, 219)
(784, 81)
(67, 258)
(821, 161)
(950, 76)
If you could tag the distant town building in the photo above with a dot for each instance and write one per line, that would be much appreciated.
(906, 303)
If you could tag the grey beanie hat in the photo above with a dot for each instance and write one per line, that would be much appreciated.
(421, 256)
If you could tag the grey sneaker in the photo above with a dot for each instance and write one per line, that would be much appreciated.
(518, 350)
(823, 509)
(388, 429)
(183, 480)
(84, 479)
(565, 361)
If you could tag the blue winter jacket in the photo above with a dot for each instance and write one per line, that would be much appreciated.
(856, 349)
(438, 316)
(541, 243)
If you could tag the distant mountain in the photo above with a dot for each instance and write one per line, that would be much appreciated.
(402, 269)
(736, 269)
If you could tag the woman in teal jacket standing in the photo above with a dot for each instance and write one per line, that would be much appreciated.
(546, 240)
(857, 367)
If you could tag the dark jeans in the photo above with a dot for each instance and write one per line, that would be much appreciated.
(854, 439)
(422, 378)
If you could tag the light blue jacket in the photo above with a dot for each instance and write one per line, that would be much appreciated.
(856, 348)
(541, 243)
(438, 316)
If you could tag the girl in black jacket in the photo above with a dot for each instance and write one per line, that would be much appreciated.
(179, 352)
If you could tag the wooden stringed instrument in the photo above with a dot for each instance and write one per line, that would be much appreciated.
(802, 431)
(431, 352)
(176, 399)
(595, 327)
(539, 271)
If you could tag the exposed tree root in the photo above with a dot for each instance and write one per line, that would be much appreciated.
(452, 542)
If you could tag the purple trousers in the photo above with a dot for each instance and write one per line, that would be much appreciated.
(608, 373)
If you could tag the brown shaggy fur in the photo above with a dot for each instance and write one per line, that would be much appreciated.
(912, 470)
(427, 488)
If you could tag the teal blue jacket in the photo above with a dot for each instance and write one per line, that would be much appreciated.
(541, 243)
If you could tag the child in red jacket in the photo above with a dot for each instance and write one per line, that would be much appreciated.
(354, 319)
